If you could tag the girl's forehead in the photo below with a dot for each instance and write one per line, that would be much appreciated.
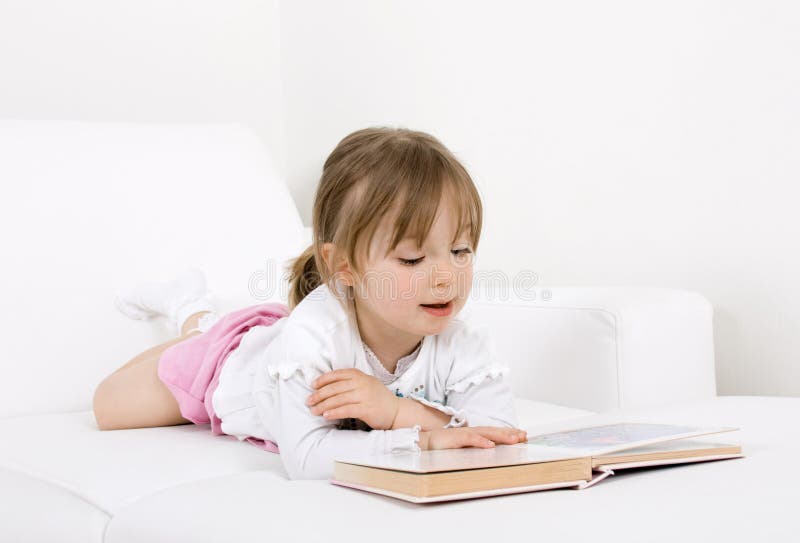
(447, 233)
(384, 238)
(444, 224)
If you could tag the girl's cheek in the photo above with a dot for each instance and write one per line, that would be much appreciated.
(408, 286)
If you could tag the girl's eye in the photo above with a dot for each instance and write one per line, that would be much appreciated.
(410, 262)
(416, 261)
(461, 257)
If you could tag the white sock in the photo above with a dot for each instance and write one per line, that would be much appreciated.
(177, 299)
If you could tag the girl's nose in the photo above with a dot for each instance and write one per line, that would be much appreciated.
(445, 280)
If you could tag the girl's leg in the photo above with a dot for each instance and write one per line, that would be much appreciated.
(134, 397)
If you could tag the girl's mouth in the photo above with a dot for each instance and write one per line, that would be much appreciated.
(438, 310)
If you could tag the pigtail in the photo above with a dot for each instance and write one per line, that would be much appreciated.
(304, 276)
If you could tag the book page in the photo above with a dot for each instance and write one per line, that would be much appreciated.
(669, 462)
(676, 445)
(598, 440)
(580, 443)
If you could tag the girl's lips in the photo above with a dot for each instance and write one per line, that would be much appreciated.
(439, 311)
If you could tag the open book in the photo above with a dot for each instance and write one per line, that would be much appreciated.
(575, 458)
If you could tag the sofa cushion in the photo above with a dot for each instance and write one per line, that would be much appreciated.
(111, 469)
(745, 499)
(34, 509)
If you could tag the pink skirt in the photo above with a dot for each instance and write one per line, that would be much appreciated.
(190, 369)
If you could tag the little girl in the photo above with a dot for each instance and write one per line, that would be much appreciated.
(374, 353)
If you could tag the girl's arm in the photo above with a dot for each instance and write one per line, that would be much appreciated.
(309, 444)
(414, 412)
(487, 403)
(477, 392)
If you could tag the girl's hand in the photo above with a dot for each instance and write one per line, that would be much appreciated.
(351, 393)
(470, 436)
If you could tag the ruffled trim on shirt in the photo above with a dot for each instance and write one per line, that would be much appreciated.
(477, 377)
(287, 370)
(458, 418)
(405, 439)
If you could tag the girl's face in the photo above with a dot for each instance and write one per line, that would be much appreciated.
(391, 294)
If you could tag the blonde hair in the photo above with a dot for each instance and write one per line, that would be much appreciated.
(374, 173)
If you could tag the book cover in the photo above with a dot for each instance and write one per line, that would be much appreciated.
(582, 457)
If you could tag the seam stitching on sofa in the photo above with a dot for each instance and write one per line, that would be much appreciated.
(41, 477)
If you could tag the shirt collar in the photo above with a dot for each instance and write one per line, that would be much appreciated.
(402, 365)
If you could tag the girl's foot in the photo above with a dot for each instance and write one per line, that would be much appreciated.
(177, 300)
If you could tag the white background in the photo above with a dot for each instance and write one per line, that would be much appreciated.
(614, 143)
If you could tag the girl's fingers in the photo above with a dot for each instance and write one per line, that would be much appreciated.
(473, 436)
(333, 402)
(505, 435)
(480, 441)
(452, 438)
(328, 391)
(499, 431)
(342, 412)
(329, 377)
(336, 375)
(467, 439)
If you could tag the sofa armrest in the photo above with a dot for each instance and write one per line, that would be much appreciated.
(601, 348)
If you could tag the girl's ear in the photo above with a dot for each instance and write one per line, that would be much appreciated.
(340, 269)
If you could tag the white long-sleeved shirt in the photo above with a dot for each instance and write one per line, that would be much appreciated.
(266, 380)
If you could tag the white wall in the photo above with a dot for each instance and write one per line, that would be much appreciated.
(148, 60)
(641, 143)
(614, 142)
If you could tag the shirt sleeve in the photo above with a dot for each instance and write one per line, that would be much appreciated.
(489, 403)
(457, 417)
(309, 444)
(476, 388)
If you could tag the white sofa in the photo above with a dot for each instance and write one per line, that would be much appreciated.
(88, 207)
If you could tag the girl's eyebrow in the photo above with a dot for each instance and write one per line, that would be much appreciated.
(464, 229)
(409, 238)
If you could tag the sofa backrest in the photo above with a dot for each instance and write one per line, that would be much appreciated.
(91, 207)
